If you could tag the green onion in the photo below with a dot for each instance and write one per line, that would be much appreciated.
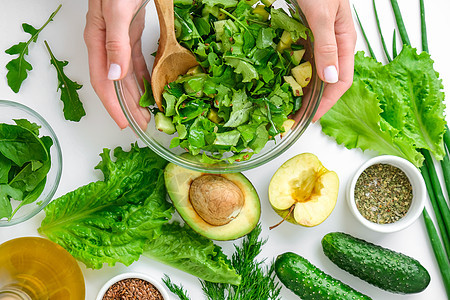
(394, 45)
(372, 54)
(424, 27)
(400, 24)
(442, 260)
(440, 222)
(442, 204)
(386, 52)
(445, 164)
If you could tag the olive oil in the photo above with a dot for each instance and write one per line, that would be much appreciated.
(37, 269)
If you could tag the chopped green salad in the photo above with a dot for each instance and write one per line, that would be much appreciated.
(248, 82)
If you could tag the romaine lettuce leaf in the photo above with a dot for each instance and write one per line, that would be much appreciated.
(126, 215)
(110, 221)
(186, 250)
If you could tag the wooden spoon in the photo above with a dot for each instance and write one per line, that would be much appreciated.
(171, 58)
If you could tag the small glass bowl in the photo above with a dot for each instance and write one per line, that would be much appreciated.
(418, 187)
(9, 111)
(130, 89)
(131, 275)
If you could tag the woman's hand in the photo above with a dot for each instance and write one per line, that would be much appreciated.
(107, 37)
(334, 44)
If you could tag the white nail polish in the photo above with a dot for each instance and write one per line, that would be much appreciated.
(114, 72)
(330, 74)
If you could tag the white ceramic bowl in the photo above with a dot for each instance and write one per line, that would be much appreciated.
(419, 193)
(142, 276)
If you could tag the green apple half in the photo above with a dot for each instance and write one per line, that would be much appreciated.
(302, 191)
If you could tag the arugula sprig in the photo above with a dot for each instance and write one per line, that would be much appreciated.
(18, 67)
(73, 107)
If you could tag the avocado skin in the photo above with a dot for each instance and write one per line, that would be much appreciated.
(310, 283)
(381, 267)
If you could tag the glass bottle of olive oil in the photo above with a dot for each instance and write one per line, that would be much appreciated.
(33, 268)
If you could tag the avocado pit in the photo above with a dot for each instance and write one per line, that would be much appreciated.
(216, 199)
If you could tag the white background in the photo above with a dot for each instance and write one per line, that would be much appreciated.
(82, 142)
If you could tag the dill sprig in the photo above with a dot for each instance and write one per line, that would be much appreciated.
(176, 289)
(258, 279)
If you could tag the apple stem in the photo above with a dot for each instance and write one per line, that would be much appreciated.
(284, 219)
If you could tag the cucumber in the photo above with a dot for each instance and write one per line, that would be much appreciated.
(309, 282)
(384, 268)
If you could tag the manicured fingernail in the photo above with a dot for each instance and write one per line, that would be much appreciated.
(114, 72)
(330, 74)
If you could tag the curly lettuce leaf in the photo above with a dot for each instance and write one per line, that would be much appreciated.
(188, 251)
(410, 95)
(110, 221)
(355, 122)
(422, 93)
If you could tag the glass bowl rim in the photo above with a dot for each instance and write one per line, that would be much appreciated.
(254, 162)
(58, 163)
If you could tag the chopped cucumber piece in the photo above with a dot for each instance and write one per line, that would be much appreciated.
(287, 126)
(285, 42)
(302, 73)
(296, 88)
(164, 124)
(295, 56)
(260, 10)
(267, 2)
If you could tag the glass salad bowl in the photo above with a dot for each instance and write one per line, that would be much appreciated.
(142, 121)
(36, 190)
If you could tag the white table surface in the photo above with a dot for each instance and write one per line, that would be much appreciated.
(82, 142)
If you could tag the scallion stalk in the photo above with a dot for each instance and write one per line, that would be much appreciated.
(440, 222)
(386, 52)
(442, 204)
(372, 54)
(442, 260)
(400, 25)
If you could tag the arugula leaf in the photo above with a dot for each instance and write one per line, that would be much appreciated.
(223, 3)
(33, 127)
(147, 99)
(241, 109)
(279, 19)
(73, 107)
(18, 67)
(243, 67)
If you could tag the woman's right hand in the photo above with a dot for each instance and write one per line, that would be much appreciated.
(331, 23)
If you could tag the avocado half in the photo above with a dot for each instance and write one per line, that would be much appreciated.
(179, 183)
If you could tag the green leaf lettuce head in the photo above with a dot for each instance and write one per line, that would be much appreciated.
(394, 109)
(126, 215)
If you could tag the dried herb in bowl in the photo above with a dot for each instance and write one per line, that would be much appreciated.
(383, 194)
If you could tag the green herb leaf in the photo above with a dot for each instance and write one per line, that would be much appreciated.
(279, 19)
(147, 99)
(18, 67)
(73, 107)
(21, 145)
(5, 204)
